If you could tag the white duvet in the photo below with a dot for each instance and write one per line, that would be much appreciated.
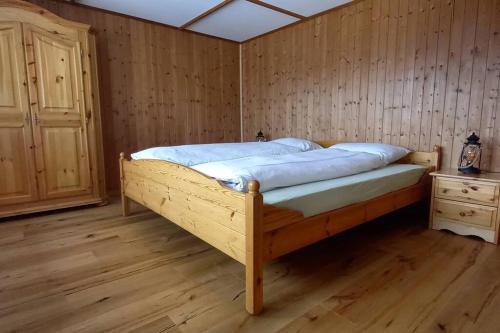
(190, 155)
(291, 169)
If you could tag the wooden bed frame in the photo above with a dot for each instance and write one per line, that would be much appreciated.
(240, 224)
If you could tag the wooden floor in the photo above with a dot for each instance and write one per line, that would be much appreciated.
(93, 270)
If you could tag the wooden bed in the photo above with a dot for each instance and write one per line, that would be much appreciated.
(240, 224)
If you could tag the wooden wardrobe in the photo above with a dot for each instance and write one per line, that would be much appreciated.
(50, 132)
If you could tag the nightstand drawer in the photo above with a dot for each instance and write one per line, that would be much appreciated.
(469, 191)
(476, 215)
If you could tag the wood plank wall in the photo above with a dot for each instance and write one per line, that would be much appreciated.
(413, 73)
(158, 85)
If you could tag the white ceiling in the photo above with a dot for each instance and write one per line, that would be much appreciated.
(171, 12)
(306, 7)
(237, 20)
(241, 20)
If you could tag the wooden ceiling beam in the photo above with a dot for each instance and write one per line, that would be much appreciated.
(277, 9)
(205, 14)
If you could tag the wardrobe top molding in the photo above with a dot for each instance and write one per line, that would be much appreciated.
(23, 11)
(236, 21)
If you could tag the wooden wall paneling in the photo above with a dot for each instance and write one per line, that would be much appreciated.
(356, 24)
(388, 104)
(260, 117)
(446, 11)
(409, 72)
(344, 61)
(260, 91)
(230, 97)
(381, 70)
(350, 76)
(258, 125)
(205, 117)
(246, 98)
(489, 132)
(347, 44)
(418, 84)
(247, 52)
(429, 73)
(323, 93)
(480, 52)
(270, 54)
(262, 103)
(465, 77)
(168, 73)
(267, 52)
(372, 77)
(364, 67)
(138, 93)
(162, 55)
(399, 67)
(298, 72)
(284, 84)
(263, 63)
(179, 119)
(452, 82)
(315, 121)
(153, 99)
(341, 86)
(213, 118)
(306, 80)
(289, 77)
(229, 88)
(334, 35)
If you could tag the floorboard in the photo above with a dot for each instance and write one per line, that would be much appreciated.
(92, 270)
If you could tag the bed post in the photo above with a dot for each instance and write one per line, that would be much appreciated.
(125, 200)
(437, 149)
(253, 252)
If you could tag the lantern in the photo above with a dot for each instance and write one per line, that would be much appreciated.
(471, 155)
(260, 137)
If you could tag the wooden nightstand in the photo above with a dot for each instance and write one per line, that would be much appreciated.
(466, 204)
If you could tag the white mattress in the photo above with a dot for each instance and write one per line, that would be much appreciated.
(323, 196)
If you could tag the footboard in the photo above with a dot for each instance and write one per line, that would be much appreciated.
(228, 220)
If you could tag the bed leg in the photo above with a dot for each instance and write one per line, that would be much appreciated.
(254, 258)
(125, 200)
(125, 205)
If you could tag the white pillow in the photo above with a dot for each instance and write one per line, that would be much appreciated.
(302, 144)
(387, 153)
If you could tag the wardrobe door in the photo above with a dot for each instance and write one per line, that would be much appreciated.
(58, 113)
(17, 173)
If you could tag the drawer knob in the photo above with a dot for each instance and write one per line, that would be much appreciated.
(445, 190)
(464, 190)
(470, 213)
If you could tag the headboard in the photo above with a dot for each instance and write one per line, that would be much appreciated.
(430, 160)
